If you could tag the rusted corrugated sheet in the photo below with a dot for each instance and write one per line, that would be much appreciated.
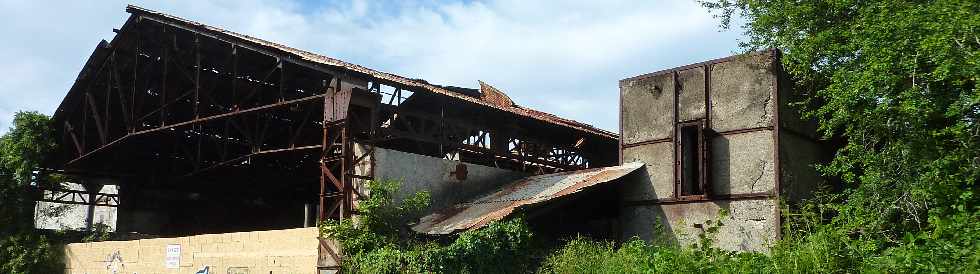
(494, 96)
(324, 60)
(527, 191)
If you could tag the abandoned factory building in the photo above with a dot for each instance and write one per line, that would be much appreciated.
(224, 151)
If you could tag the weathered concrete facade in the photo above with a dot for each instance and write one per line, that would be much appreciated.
(721, 142)
(447, 181)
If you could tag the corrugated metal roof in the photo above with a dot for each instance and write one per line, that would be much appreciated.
(527, 191)
(324, 60)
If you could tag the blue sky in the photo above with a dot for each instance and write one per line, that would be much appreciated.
(562, 57)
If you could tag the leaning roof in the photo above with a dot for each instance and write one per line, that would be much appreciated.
(317, 59)
(517, 195)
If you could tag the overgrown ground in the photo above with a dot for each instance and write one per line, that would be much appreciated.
(381, 242)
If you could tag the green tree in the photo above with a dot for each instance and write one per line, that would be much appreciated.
(22, 149)
(896, 81)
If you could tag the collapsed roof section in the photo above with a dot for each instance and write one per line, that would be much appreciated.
(517, 195)
(172, 101)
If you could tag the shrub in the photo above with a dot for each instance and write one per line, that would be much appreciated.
(379, 240)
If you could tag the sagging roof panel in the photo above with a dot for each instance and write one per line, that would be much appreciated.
(314, 58)
(521, 193)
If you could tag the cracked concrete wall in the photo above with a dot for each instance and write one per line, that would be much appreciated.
(690, 94)
(742, 163)
(435, 175)
(647, 108)
(746, 225)
(740, 93)
(656, 179)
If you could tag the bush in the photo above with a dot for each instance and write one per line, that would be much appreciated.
(951, 247)
(29, 252)
(379, 240)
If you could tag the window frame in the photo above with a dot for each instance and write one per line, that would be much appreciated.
(702, 153)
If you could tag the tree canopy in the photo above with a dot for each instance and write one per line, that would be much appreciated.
(22, 149)
(897, 81)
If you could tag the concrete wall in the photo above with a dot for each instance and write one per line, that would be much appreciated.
(277, 251)
(740, 108)
(745, 224)
(799, 148)
(435, 175)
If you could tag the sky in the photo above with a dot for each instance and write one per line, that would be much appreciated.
(561, 57)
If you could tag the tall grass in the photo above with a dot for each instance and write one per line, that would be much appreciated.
(952, 246)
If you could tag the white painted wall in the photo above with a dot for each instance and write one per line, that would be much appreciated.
(48, 215)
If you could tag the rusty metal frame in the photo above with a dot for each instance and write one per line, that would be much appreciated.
(776, 64)
(703, 182)
(716, 197)
(77, 197)
(194, 103)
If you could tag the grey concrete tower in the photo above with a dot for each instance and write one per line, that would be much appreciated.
(721, 142)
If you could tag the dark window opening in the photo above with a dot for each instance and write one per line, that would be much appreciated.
(691, 159)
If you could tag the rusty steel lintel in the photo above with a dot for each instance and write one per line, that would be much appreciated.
(674, 134)
(98, 120)
(775, 56)
(723, 133)
(703, 198)
(234, 41)
(59, 195)
(530, 158)
(243, 157)
(183, 95)
(85, 173)
(194, 121)
(124, 109)
(412, 133)
(106, 204)
(74, 138)
(329, 175)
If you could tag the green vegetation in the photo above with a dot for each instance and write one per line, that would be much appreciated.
(897, 82)
(894, 81)
(22, 249)
(380, 241)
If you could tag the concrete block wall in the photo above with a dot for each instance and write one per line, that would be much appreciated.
(751, 163)
(275, 251)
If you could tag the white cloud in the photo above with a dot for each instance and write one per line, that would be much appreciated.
(564, 57)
